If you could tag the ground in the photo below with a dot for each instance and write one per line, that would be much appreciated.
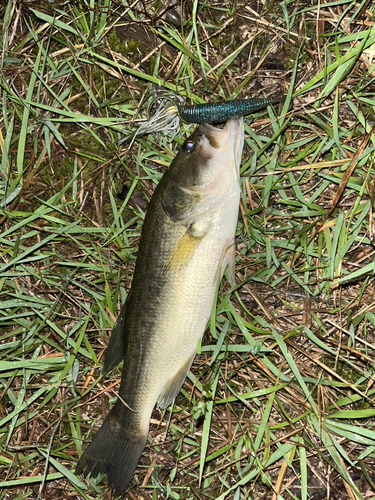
(279, 402)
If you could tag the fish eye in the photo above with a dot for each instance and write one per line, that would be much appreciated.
(189, 146)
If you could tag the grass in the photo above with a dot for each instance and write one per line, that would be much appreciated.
(279, 402)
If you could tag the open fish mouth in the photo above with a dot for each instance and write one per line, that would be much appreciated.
(228, 140)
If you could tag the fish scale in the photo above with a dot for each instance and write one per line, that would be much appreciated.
(186, 243)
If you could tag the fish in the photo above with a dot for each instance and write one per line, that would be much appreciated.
(187, 241)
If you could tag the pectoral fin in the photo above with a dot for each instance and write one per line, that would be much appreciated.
(115, 350)
(174, 384)
(183, 251)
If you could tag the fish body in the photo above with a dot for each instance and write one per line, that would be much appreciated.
(187, 241)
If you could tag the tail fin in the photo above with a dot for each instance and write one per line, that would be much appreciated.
(115, 451)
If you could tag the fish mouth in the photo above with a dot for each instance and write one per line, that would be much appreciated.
(228, 140)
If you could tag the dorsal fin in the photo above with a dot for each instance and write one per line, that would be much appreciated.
(115, 350)
(174, 384)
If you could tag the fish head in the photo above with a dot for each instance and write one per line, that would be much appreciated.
(204, 173)
(210, 158)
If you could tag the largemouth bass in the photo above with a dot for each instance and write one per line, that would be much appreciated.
(187, 242)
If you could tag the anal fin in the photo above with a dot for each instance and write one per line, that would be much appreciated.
(174, 384)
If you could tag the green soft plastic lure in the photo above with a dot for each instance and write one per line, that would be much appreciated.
(166, 109)
(218, 112)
